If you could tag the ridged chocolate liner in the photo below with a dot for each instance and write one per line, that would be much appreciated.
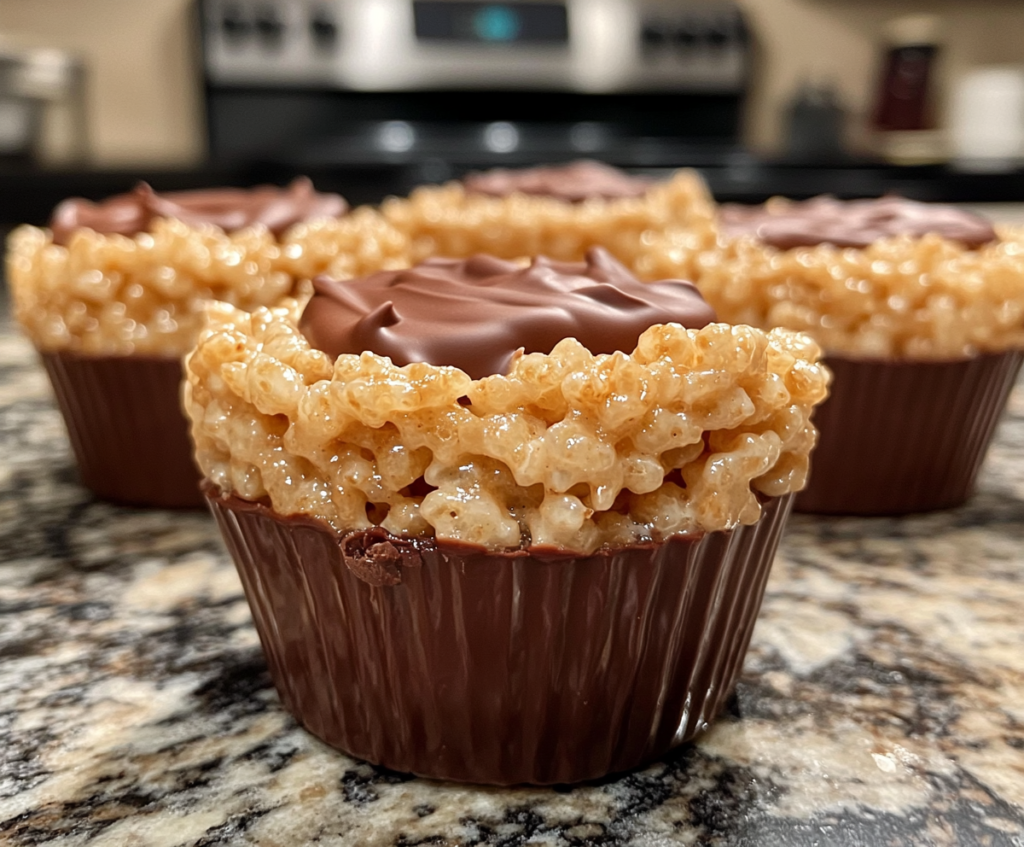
(503, 669)
(902, 437)
(127, 428)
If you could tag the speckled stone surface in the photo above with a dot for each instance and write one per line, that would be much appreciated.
(882, 702)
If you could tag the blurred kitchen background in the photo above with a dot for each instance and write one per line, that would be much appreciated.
(370, 97)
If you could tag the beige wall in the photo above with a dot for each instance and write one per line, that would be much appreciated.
(144, 94)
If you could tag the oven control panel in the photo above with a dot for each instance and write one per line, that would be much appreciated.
(398, 45)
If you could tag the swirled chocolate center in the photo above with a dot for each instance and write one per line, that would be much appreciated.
(231, 209)
(476, 313)
(572, 183)
(852, 223)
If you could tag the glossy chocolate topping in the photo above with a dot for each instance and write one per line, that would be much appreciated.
(572, 183)
(476, 313)
(229, 208)
(853, 223)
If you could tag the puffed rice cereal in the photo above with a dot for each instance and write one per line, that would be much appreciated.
(569, 450)
(447, 221)
(909, 298)
(118, 295)
(342, 248)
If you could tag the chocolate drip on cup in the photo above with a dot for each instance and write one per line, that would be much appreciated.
(231, 209)
(852, 223)
(476, 314)
(572, 183)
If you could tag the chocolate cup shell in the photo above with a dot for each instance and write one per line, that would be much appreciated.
(903, 437)
(503, 668)
(127, 428)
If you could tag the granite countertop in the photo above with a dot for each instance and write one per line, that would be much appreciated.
(882, 702)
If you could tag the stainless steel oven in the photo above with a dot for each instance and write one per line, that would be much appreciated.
(445, 85)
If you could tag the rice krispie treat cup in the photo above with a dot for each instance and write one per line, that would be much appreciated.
(112, 296)
(920, 310)
(561, 212)
(508, 551)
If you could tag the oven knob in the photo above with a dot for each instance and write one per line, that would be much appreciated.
(269, 25)
(687, 35)
(234, 23)
(653, 35)
(740, 32)
(718, 35)
(324, 29)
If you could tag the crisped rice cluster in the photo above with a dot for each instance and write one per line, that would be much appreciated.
(359, 243)
(925, 298)
(115, 295)
(569, 450)
(446, 221)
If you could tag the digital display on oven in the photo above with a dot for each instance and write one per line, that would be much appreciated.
(491, 23)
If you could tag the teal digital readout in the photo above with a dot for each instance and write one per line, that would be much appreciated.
(496, 23)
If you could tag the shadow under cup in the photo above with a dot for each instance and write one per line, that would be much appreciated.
(500, 668)
(127, 428)
(902, 437)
